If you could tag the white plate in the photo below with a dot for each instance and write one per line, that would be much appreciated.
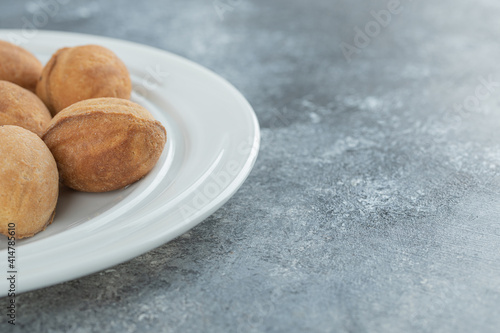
(213, 141)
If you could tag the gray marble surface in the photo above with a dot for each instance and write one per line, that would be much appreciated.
(374, 204)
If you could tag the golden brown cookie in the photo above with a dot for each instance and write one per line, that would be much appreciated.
(19, 66)
(104, 144)
(83, 72)
(29, 182)
(23, 108)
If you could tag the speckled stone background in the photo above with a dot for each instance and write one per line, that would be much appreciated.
(374, 205)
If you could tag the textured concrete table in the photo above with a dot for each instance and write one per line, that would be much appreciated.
(374, 205)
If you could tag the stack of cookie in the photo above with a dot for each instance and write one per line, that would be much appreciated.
(69, 122)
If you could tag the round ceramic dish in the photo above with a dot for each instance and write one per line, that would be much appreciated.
(213, 141)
